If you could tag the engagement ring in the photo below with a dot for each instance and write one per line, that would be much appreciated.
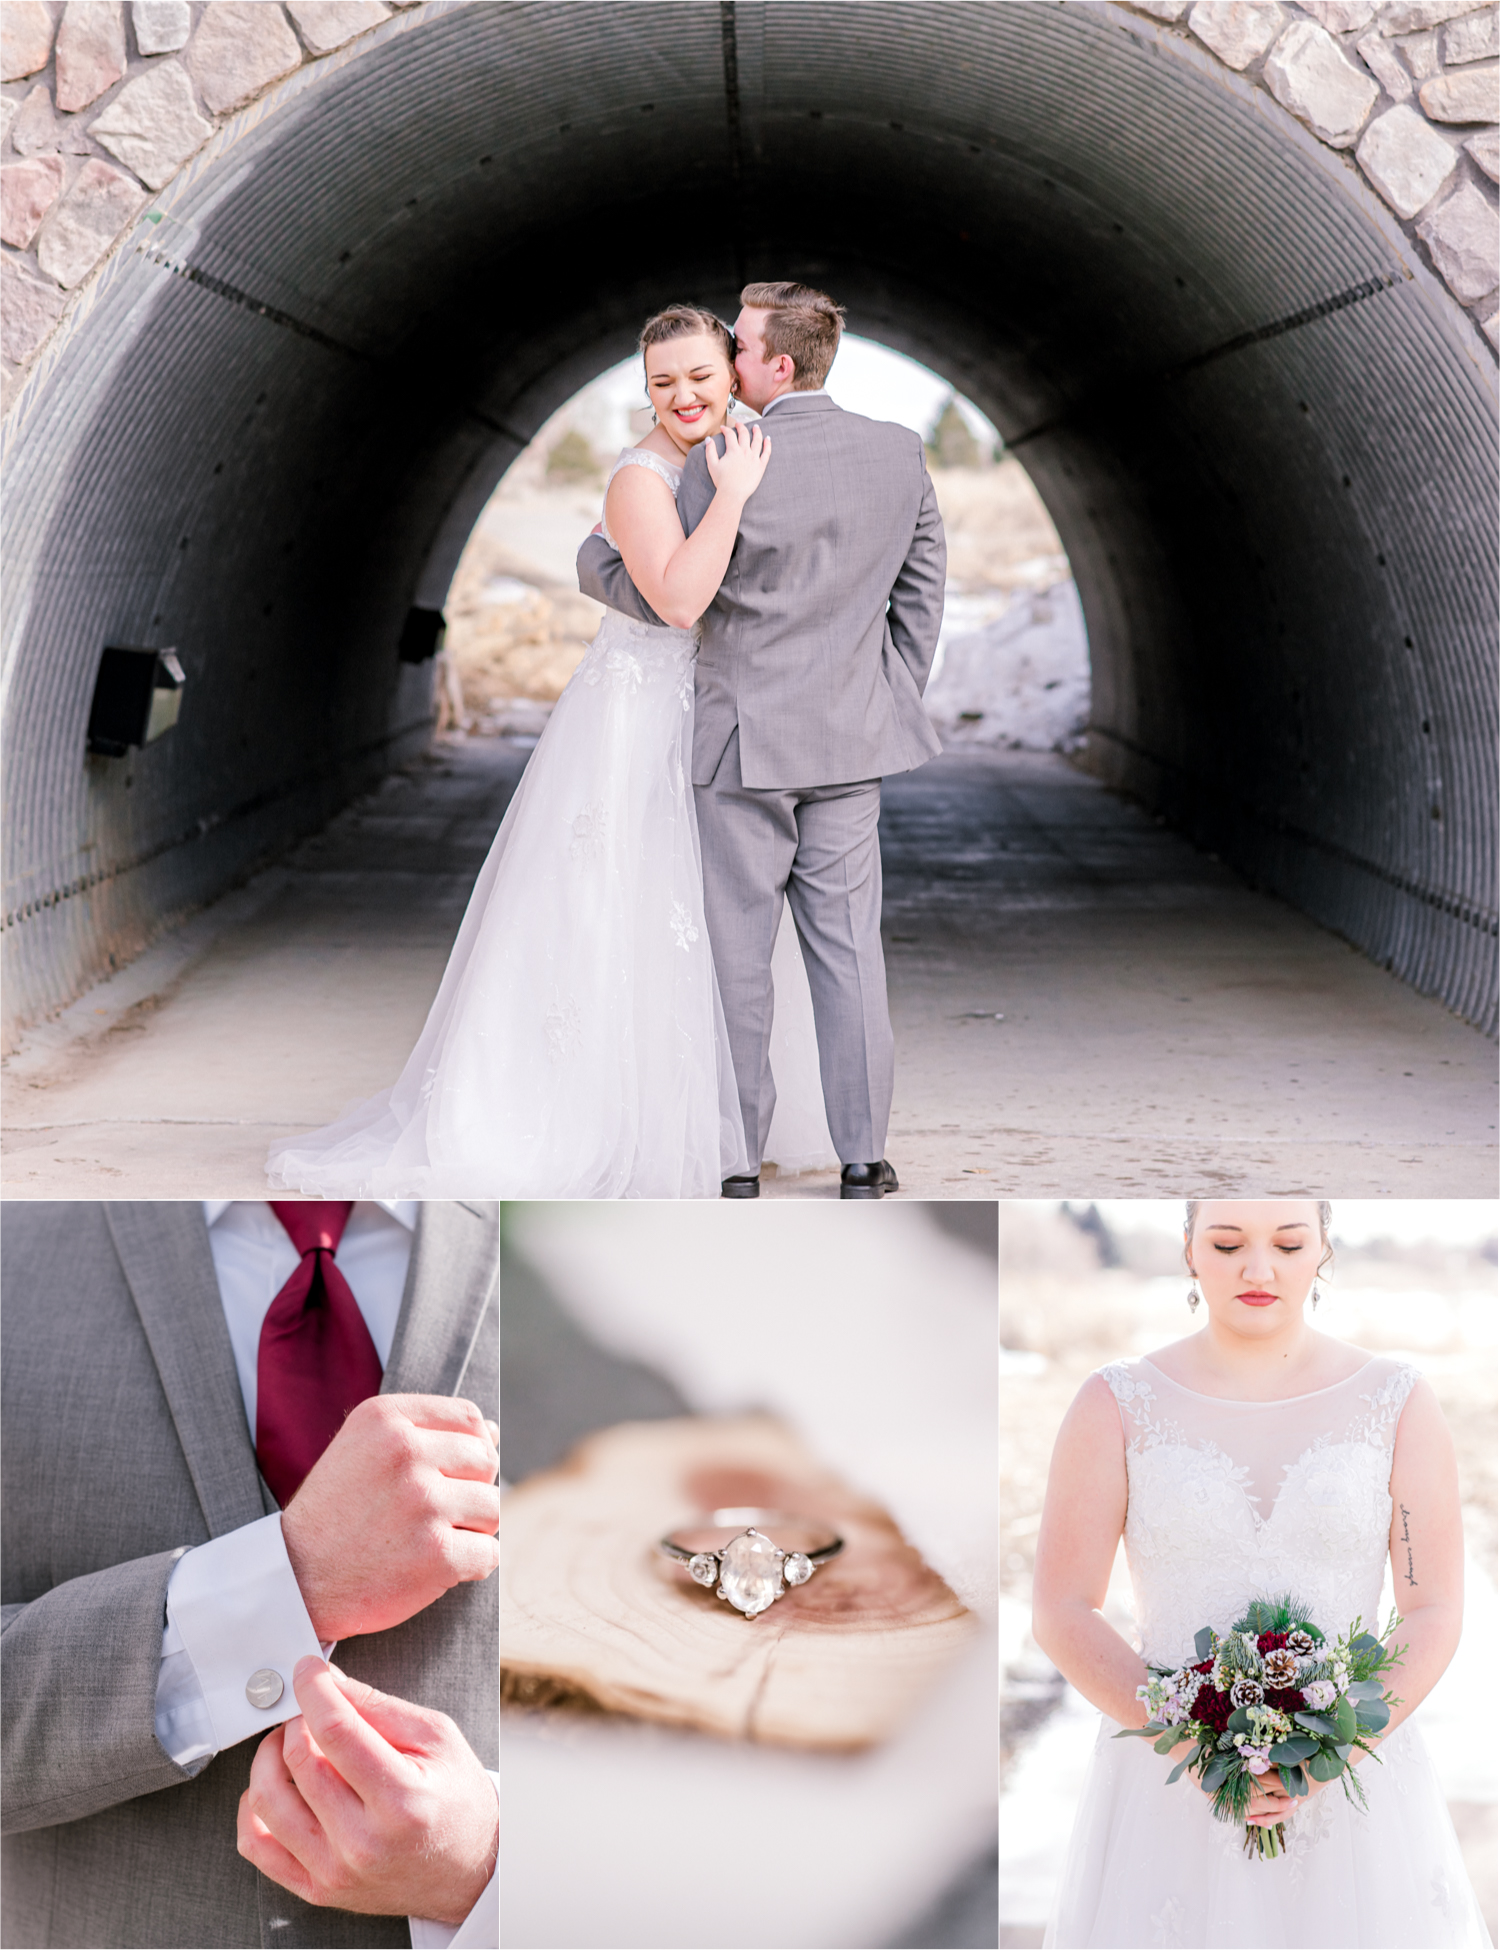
(750, 1570)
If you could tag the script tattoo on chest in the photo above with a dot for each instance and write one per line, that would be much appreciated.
(1411, 1576)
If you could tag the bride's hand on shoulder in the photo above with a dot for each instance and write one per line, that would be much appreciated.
(741, 467)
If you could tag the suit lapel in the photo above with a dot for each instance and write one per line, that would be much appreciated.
(450, 1280)
(163, 1249)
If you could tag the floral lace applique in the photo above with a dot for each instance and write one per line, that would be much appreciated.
(588, 831)
(563, 1026)
(682, 926)
(1386, 1403)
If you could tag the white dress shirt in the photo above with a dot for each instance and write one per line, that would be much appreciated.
(794, 392)
(233, 1604)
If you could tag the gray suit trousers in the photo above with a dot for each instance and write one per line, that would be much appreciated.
(819, 847)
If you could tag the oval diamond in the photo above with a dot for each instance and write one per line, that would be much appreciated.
(797, 1569)
(704, 1568)
(750, 1577)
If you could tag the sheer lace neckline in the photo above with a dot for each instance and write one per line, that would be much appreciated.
(1275, 1401)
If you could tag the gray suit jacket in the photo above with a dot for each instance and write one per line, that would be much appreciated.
(124, 1444)
(820, 639)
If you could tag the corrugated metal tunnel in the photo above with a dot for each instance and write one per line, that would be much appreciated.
(1265, 433)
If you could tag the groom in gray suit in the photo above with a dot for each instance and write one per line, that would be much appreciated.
(815, 654)
(128, 1462)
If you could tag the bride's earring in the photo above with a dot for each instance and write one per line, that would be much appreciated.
(1317, 1292)
(1193, 1296)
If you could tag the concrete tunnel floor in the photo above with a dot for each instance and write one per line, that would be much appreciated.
(1084, 1005)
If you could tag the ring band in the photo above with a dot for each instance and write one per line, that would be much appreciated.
(750, 1571)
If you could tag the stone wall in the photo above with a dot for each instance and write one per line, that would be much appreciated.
(1409, 91)
(101, 104)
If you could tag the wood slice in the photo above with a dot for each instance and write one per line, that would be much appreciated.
(590, 1610)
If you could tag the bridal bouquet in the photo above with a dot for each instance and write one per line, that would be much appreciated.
(1272, 1692)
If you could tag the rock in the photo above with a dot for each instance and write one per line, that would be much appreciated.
(1410, 15)
(1238, 31)
(1491, 328)
(28, 191)
(1387, 70)
(1309, 73)
(1472, 38)
(1340, 16)
(240, 48)
(1158, 9)
(161, 26)
(34, 131)
(90, 51)
(1473, 95)
(327, 24)
(25, 38)
(87, 221)
(152, 125)
(1420, 53)
(7, 115)
(28, 311)
(1462, 236)
(1485, 149)
(1406, 159)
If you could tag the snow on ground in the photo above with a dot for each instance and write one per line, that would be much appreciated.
(1012, 669)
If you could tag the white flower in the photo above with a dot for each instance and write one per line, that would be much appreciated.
(1320, 1694)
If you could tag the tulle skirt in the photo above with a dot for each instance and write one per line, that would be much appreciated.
(577, 1047)
(1148, 1864)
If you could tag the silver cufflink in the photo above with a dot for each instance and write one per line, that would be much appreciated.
(264, 1688)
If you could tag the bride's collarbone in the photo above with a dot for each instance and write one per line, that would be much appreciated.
(1329, 1363)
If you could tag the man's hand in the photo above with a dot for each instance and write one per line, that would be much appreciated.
(401, 1506)
(368, 1803)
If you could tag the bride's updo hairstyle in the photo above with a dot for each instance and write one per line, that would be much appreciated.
(687, 322)
(1325, 1223)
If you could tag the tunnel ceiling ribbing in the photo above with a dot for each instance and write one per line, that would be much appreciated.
(1264, 433)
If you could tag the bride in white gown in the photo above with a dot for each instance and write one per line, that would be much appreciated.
(1254, 1459)
(576, 1047)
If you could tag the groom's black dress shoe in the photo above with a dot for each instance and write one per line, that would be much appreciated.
(868, 1181)
(745, 1186)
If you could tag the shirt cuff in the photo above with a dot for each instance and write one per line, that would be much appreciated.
(480, 1929)
(234, 1612)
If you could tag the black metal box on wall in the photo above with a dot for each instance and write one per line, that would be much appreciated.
(421, 635)
(137, 695)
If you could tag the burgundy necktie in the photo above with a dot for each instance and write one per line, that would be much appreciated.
(317, 1360)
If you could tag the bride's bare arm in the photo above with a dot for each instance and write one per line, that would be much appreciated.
(1427, 1551)
(679, 575)
(1082, 1521)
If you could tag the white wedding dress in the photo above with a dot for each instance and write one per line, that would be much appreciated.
(1230, 1501)
(577, 1047)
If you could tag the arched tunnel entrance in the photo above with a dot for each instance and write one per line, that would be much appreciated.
(1264, 431)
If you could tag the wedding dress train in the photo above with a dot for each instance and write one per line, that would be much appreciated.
(1230, 1501)
(577, 1046)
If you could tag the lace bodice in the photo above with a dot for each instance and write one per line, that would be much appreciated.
(1234, 1500)
(654, 464)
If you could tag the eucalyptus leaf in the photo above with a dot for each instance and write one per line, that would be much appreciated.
(1292, 1780)
(1367, 1689)
(1365, 1643)
(1298, 1747)
(1239, 1721)
(1168, 1740)
(1177, 1771)
(1203, 1643)
(1372, 1716)
(1316, 1723)
(1345, 1721)
(1325, 1767)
